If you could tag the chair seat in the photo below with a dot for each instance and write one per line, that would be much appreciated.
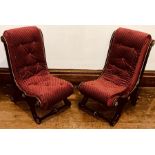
(101, 89)
(47, 88)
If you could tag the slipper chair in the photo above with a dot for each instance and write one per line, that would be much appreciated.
(26, 57)
(119, 81)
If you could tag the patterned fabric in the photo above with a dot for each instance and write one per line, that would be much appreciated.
(47, 88)
(28, 64)
(127, 52)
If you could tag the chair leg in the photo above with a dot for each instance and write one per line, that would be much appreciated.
(82, 106)
(83, 102)
(117, 114)
(16, 96)
(134, 96)
(115, 118)
(39, 119)
(36, 118)
(67, 102)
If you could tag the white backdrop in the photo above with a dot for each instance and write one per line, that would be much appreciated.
(78, 47)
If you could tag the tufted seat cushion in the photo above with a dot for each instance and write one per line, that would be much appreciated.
(125, 60)
(47, 88)
(28, 64)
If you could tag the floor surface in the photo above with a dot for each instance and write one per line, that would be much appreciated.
(18, 115)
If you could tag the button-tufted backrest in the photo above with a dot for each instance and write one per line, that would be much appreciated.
(25, 51)
(127, 52)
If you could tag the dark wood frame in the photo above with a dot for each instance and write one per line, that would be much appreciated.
(122, 100)
(31, 101)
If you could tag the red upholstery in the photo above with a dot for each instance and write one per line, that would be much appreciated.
(28, 63)
(125, 60)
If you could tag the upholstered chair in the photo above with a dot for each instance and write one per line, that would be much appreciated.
(127, 56)
(27, 61)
